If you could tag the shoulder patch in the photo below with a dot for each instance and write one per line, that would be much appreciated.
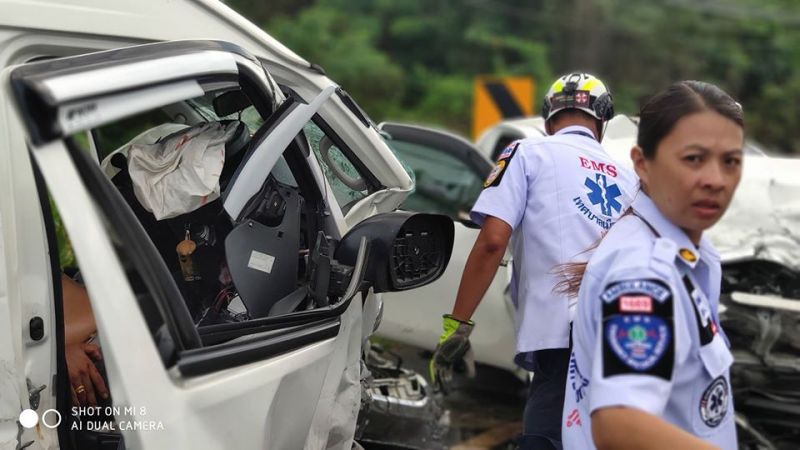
(638, 332)
(500, 167)
(508, 151)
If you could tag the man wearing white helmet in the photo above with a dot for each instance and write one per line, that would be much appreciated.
(552, 197)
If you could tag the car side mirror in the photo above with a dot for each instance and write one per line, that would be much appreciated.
(406, 249)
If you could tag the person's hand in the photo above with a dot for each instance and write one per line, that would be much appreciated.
(87, 383)
(453, 347)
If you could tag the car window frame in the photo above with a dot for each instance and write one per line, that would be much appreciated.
(372, 182)
(443, 142)
(180, 326)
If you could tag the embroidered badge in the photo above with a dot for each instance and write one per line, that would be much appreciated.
(639, 341)
(638, 332)
(498, 169)
(508, 151)
(714, 402)
(503, 161)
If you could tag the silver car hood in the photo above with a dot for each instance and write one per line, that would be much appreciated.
(763, 220)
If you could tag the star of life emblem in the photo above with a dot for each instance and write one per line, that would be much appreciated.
(714, 402)
(603, 194)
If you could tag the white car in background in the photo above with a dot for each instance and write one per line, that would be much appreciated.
(619, 137)
(758, 239)
(449, 174)
(303, 238)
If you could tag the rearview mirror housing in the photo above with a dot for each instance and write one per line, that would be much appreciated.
(407, 249)
(231, 102)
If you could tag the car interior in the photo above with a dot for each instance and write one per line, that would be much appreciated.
(284, 224)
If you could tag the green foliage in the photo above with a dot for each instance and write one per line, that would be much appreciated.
(66, 257)
(415, 60)
(345, 46)
(776, 127)
(444, 100)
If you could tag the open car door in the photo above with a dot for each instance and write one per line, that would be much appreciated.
(263, 374)
(449, 174)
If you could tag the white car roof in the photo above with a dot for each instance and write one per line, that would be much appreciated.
(147, 20)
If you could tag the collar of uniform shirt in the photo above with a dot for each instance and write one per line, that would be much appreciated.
(645, 208)
(574, 128)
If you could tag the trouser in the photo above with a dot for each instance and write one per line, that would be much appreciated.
(542, 418)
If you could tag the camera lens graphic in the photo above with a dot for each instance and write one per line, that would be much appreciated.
(51, 418)
(28, 418)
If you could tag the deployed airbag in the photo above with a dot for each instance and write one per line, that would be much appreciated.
(180, 173)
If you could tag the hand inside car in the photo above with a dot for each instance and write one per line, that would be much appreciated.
(87, 383)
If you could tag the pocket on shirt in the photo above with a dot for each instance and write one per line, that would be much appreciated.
(713, 397)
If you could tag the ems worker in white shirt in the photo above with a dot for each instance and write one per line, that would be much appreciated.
(552, 197)
(649, 368)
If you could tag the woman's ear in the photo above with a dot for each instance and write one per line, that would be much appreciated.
(639, 164)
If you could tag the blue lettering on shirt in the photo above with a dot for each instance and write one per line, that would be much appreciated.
(577, 380)
(585, 211)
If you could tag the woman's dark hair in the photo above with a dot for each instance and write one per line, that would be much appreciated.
(656, 120)
(660, 114)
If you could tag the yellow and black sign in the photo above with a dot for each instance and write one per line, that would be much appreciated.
(499, 98)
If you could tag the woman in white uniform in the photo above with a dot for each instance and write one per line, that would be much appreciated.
(649, 367)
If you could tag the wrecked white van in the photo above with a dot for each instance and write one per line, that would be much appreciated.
(251, 338)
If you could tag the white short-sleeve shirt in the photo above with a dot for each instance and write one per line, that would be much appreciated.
(558, 193)
(647, 332)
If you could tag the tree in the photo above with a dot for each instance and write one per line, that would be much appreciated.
(416, 59)
(344, 45)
